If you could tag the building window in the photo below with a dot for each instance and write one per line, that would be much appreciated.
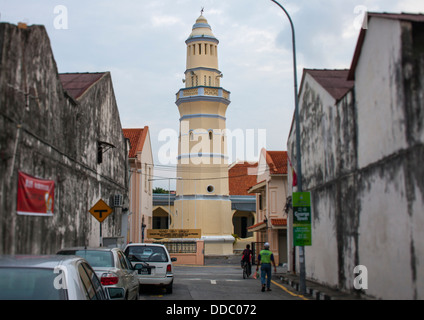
(205, 80)
(210, 81)
(210, 134)
(200, 49)
(99, 153)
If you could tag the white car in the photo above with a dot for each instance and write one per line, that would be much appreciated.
(153, 264)
(49, 278)
(113, 269)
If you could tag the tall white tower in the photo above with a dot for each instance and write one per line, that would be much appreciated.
(202, 199)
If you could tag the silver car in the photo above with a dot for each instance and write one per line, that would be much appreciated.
(113, 269)
(153, 264)
(48, 278)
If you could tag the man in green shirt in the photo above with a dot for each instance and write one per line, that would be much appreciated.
(264, 259)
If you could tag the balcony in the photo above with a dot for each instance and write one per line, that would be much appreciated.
(203, 93)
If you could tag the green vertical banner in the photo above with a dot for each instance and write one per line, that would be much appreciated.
(302, 226)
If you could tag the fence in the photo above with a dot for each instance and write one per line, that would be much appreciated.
(186, 252)
(180, 247)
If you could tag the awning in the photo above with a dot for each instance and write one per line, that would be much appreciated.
(258, 187)
(257, 227)
(279, 223)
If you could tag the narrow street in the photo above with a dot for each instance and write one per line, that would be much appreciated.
(217, 282)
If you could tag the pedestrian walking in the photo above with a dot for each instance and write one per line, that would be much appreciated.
(265, 258)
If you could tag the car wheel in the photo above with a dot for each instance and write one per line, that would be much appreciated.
(169, 288)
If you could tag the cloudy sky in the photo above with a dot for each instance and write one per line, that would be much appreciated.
(142, 43)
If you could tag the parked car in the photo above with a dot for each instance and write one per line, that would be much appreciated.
(153, 264)
(48, 278)
(112, 267)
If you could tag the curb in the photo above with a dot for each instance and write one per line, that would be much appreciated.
(315, 294)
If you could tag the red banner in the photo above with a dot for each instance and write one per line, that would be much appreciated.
(35, 196)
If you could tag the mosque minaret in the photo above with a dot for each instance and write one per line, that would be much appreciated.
(202, 195)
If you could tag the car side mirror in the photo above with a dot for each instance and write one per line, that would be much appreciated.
(173, 259)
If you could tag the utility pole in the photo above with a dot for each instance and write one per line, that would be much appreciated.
(302, 277)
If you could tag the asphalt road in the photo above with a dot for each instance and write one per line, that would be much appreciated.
(219, 283)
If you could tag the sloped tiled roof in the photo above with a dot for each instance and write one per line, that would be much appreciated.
(76, 84)
(335, 82)
(239, 179)
(279, 222)
(137, 138)
(277, 162)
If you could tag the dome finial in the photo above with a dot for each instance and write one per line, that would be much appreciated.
(201, 11)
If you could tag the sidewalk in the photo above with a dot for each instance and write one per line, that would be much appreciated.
(314, 291)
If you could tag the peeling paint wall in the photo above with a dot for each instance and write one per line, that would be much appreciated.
(56, 140)
(368, 209)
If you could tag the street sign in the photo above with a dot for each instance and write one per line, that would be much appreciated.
(302, 226)
(174, 233)
(101, 211)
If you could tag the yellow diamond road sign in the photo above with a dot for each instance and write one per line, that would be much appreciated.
(101, 210)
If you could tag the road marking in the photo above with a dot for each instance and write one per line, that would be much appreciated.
(288, 291)
(213, 281)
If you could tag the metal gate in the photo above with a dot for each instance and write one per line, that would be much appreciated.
(256, 248)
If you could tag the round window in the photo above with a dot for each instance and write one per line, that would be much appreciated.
(210, 189)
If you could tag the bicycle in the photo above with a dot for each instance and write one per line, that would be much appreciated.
(247, 270)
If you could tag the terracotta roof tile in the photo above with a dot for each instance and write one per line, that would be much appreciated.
(279, 222)
(239, 179)
(137, 138)
(277, 161)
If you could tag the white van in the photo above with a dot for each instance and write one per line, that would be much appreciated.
(153, 264)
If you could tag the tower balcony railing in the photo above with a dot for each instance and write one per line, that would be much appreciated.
(203, 91)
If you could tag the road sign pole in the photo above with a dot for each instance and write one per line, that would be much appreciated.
(101, 240)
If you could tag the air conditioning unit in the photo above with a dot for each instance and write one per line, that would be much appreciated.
(117, 201)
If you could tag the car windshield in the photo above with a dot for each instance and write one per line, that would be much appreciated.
(146, 254)
(96, 258)
(29, 284)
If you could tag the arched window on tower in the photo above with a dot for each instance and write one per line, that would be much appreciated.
(200, 48)
(210, 134)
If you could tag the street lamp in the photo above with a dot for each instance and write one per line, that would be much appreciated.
(298, 155)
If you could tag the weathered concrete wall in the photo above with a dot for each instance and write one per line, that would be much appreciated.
(390, 158)
(57, 140)
(369, 208)
(328, 136)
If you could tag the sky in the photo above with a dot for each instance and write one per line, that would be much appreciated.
(142, 44)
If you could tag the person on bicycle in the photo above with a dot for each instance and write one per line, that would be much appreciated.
(247, 259)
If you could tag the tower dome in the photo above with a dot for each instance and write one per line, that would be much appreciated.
(201, 29)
